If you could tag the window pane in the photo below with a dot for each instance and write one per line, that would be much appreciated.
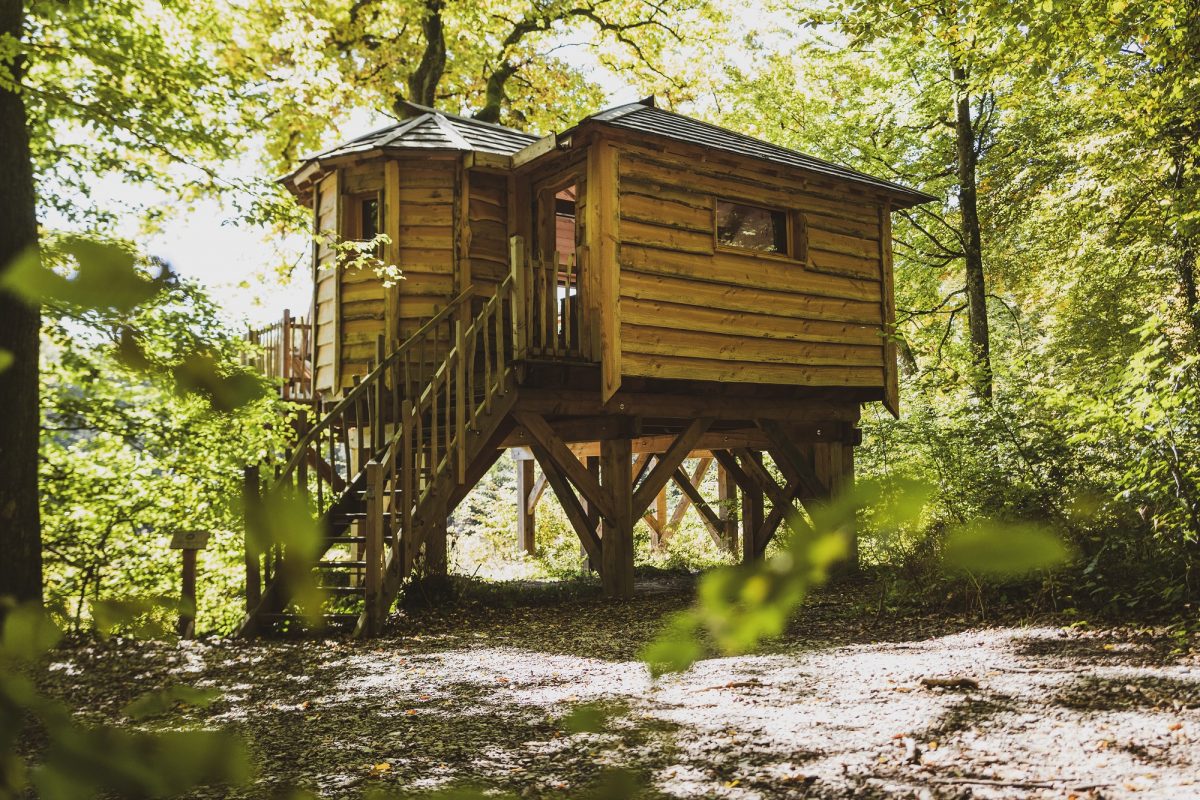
(751, 227)
(370, 219)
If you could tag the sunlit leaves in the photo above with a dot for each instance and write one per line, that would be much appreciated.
(6, 359)
(139, 617)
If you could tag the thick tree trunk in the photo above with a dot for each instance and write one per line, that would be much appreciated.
(423, 83)
(964, 130)
(20, 524)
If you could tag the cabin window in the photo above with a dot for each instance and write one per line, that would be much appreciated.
(369, 216)
(748, 227)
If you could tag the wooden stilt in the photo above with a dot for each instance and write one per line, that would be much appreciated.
(616, 541)
(525, 503)
(593, 515)
(752, 515)
(727, 509)
(436, 545)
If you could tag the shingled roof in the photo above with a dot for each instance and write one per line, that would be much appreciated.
(430, 129)
(644, 117)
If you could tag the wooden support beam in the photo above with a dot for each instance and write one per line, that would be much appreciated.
(640, 464)
(576, 515)
(616, 541)
(525, 516)
(547, 440)
(535, 496)
(711, 521)
(668, 462)
(727, 508)
(593, 516)
(436, 544)
(752, 511)
(781, 510)
(787, 455)
(685, 502)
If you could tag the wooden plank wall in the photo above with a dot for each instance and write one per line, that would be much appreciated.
(425, 231)
(691, 310)
(363, 313)
(487, 216)
(325, 298)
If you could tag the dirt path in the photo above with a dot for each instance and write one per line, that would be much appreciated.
(837, 709)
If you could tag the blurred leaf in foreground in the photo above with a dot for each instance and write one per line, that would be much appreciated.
(1004, 549)
(81, 271)
(284, 519)
(152, 704)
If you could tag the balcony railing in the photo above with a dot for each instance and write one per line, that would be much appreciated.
(282, 352)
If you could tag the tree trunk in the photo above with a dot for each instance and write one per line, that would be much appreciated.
(423, 83)
(964, 130)
(20, 525)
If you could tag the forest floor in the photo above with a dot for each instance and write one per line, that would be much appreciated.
(476, 692)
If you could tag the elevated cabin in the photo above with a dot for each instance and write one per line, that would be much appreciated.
(637, 289)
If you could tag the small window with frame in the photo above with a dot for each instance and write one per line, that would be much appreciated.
(759, 229)
(368, 218)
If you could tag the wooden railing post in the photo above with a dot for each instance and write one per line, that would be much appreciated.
(377, 433)
(373, 532)
(252, 516)
(460, 401)
(408, 484)
(520, 273)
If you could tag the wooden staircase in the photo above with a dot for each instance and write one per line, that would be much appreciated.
(382, 470)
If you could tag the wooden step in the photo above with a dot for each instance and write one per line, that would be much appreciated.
(346, 539)
(341, 565)
(346, 590)
(328, 618)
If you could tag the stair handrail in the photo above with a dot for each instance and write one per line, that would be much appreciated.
(392, 490)
(356, 393)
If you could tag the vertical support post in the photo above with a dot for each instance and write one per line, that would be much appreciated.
(525, 511)
(373, 532)
(408, 486)
(252, 512)
(616, 542)
(187, 614)
(593, 516)
(658, 537)
(753, 511)
(285, 355)
(435, 544)
(727, 509)
(377, 433)
(460, 400)
(520, 312)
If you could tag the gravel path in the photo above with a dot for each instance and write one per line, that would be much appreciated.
(842, 707)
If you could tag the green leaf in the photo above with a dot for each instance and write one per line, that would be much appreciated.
(6, 359)
(152, 704)
(1001, 549)
(81, 272)
(28, 633)
(201, 374)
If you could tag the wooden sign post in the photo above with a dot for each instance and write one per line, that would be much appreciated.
(190, 542)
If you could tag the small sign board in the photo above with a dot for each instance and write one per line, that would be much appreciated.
(189, 540)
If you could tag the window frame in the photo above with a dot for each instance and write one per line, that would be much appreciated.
(795, 234)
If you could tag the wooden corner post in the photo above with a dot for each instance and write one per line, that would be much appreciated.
(616, 539)
(520, 298)
(373, 532)
(602, 233)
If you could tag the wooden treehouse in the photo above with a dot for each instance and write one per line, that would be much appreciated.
(604, 302)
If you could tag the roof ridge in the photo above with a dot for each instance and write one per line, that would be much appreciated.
(471, 120)
(402, 128)
(446, 127)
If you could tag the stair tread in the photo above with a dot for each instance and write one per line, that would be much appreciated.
(336, 564)
(344, 589)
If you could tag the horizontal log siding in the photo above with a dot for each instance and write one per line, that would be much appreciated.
(364, 316)
(325, 299)
(691, 310)
(425, 250)
(487, 216)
